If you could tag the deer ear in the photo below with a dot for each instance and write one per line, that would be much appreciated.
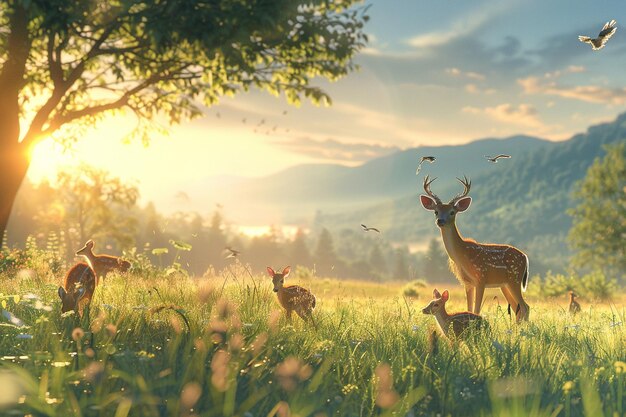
(286, 271)
(270, 272)
(463, 204)
(427, 202)
(444, 296)
(61, 293)
(436, 293)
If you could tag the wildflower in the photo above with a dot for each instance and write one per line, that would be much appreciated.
(568, 386)
(349, 388)
(620, 367)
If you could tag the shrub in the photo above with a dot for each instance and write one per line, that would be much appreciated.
(597, 285)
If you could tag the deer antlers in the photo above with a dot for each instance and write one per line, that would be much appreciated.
(427, 189)
(467, 184)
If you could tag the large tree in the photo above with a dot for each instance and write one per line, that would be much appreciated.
(67, 64)
(599, 221)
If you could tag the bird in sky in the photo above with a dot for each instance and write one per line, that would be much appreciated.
(603, 37)
(430, 159)
(494, 159)
(369, 229)
(232, 253)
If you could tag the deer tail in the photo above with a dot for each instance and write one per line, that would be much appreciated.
(525, 277)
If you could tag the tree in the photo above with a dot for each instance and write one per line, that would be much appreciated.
(436, 262)
(377, 261)
(67, 64)
(401, 264)
(598, 232)
(91, 204)
(325, 257)
(298, 251)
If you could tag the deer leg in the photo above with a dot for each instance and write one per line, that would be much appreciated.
(478, 299)
(469, 293)
(509, 298)
(522, 310)
(288, 314)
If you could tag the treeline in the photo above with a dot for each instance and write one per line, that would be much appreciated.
(90, 204)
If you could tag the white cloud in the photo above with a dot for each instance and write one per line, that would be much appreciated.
(523, 114)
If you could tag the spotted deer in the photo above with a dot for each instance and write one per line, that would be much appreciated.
(478, 265)
(77, 289)
(293, 297)
(457, 322)
(102, 264)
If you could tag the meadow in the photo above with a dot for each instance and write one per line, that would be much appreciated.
(161, 343)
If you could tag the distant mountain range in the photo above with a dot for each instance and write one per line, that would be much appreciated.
(522, 200)
(296, 194)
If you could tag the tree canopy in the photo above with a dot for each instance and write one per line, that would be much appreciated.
(66, 64)
(599, 221)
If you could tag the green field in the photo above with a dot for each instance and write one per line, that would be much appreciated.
(169, 345)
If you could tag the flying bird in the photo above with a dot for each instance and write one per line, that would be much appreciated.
(369, 229)
(603, 37)
(232, 253)
(494, 159)
(430, 159)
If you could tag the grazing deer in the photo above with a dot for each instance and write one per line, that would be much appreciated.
(459, 322)
(477, 265)
(574, 306)
(77, 289)
(102, 264)
(293, 297)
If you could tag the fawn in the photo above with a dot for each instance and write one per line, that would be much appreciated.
(478, 265)
(574, 307)
(458, 321)
(77, 289)
(293, 297)
(102, 264)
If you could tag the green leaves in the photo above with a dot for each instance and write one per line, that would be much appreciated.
(88, 59)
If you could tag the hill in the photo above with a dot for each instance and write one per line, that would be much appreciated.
(522, 201)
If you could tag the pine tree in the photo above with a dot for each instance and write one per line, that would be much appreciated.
(298, 251)
(325, 255)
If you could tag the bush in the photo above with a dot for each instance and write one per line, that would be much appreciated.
(412, 288)
(597, 285)
(555, 285)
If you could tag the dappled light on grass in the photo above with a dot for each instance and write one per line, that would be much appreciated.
(221, 346)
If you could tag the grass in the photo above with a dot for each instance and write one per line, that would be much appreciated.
(220, 346)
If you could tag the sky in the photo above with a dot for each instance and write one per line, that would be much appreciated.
(435, 72)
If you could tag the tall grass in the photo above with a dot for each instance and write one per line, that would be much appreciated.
(169, 345)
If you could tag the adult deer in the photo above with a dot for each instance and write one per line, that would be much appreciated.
(102, 264)
(477, 265)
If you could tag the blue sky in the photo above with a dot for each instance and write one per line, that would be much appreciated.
(435, 72)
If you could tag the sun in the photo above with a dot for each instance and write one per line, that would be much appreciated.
(47, 158)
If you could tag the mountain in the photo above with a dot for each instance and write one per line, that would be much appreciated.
(522, 201)
(296, 194)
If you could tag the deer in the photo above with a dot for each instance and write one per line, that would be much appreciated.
(478, 265)
(458, 322)
(102, 264)
(293, 297)
(574, 306)
(77, 289)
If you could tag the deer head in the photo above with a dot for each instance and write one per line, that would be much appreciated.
(278, 279)
(85, 249)
(438, 304)
(445, 213)
(69, 301)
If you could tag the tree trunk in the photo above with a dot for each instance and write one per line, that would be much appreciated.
(13, 167)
